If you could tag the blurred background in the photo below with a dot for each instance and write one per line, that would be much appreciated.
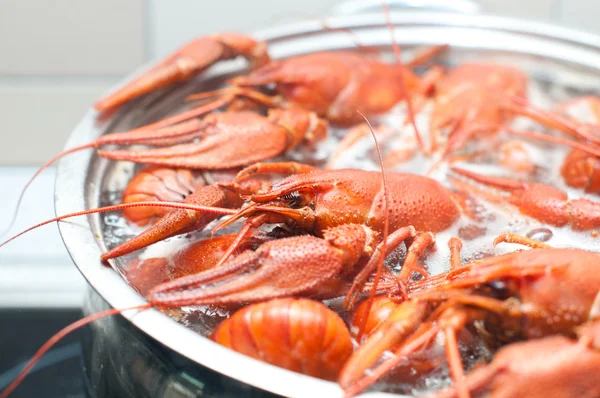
(59, 56)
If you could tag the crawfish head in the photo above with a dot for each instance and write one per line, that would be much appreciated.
(321, 199)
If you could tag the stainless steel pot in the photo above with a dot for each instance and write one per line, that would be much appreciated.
(549, 53)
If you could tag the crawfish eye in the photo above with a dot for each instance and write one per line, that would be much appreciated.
(293, 199)
(500, 289)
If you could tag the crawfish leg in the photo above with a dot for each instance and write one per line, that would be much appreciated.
(393, 241)
(452, 320)
(509, 237)
(426, 54)
(286, 168)
(421, 337)
(455, 245)
(421, 242)
(404, 319)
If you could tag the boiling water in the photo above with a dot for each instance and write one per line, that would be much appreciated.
(477, 236)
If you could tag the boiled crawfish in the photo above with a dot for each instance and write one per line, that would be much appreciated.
(296, 334)
(344, 210)
(187, 62)
(477, 99)
(144, 275)
(554, 366)
(522, 295)
(581, 169)
(540, 201)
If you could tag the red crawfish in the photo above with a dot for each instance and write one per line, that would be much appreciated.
(342, 210)
(187, 62)
(293, 333)
(144, 275)
(477, 99)
(539, 201)
(554, 366)
(580, 168)
(522, 295)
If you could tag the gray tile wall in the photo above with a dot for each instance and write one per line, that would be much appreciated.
(57, 57)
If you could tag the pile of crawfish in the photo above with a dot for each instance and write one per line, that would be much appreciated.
(328, 271)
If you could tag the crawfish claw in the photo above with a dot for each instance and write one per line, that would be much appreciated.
(185, 63)
(285, 267)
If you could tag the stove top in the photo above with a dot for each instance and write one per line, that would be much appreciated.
(41, 291)
(58, 374)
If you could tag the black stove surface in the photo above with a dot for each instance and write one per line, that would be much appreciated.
(108, 358)
(59, 373)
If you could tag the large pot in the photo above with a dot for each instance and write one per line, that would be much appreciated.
(549, 53)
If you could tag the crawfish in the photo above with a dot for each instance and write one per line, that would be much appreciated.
(476, 99)
(343, 212)
(540, 201)
(580, 168)
(143, 275)
(187, 62)
(226, 140)
(522, 295)
(296, 334)
(153, 183)
(554, 366)
(333, 84)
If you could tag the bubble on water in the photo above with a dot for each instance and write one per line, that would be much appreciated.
(112, 220)
(540, 234)
(471, 231)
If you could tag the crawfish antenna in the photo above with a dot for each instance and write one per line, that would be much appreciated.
(276, 18)
(201, 110)
(587, 148)
(366, 49)
(171, 205)
(52, 341)
(397, 55)
(386, 226)
(37, 173)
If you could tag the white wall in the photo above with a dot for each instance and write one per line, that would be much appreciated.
(57, 57)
